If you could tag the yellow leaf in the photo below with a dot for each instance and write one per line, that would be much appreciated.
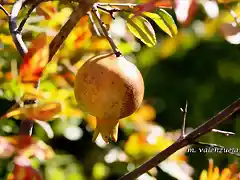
(203, 175)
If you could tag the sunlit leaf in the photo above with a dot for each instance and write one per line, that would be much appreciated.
(141, 28)
(7, 40)
(42, 112)
(164, 21)
(227, 1)
(35, 60)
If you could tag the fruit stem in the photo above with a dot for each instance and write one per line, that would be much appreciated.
(105, 31)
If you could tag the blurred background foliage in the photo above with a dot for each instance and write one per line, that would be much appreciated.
(200, 64)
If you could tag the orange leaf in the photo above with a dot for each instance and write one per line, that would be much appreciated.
(35, 60)
(46, 9)
(42, 112)
(152, 5)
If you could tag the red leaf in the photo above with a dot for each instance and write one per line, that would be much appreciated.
(24, 146)
(35, 60)
(23, 170)
(186, 10)
(24, 141)
(152, 5)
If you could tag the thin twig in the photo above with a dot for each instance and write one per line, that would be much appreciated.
(93, 24)
(20, 27)
(17, 38)
(110, 11)
(226, 133)
(184, 120)
(4, 10)
(218, 148)
(187, 140)
(118, 4)
(74, 18)
(105, 31)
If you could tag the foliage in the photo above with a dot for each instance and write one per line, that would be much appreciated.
(189, 53)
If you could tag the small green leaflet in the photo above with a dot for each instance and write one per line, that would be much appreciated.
(141, 28)
(164, 21)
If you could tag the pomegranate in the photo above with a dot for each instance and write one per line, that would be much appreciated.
(109, 88)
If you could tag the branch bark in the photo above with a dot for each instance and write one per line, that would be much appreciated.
(184, 141)
(74, 18)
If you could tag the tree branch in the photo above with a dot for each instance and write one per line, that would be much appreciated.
(184, 141)
(74, 18)
(184, 111)
(95, 28)
(20, 27)
(105, 31)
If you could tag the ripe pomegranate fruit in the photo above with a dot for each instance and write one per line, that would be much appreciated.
(109, 88)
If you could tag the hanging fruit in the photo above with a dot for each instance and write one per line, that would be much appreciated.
(109, 88)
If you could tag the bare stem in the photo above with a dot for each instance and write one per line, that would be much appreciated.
(187, 140)
(131, 5)
(184, 120)
(74, 18)
(105, 31)
(4, 10)
(93, 24)
(226, 133)
(27, 16)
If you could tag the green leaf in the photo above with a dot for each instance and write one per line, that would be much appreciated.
(141, 28)
(164, 21)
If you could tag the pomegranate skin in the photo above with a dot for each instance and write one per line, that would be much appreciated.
(109, 88)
